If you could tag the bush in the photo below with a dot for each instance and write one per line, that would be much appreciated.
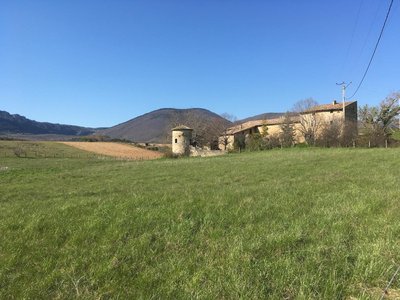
(169, 154)
(273, 141)
(254, 142)
(240, 142)
(302, 145)
(19, 152)
(330, 135)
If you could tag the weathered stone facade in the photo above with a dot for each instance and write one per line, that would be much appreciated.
(181, 140)
(323, 114)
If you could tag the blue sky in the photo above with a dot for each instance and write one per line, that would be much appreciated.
(99, 63)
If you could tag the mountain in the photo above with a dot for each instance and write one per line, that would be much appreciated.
(263, 116)
(16, 124)
(155, 126)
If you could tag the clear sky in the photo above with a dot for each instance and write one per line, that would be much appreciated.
(99, 63)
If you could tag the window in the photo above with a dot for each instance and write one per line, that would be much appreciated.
(176, 141)
(331, 111)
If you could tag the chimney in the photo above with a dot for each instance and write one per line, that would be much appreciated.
(334, 102)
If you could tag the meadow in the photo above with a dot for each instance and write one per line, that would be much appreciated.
(396, 135)
(279, 224)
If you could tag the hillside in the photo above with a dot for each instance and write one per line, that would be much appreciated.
(16, 124)
(155, 126)
(263, 116)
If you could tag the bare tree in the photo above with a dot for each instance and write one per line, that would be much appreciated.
(304, 105)
(206, 133)
(310, 123)
(225, 139)
(329, 135)
(229, 117)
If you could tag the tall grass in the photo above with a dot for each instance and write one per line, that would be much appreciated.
(297, 223)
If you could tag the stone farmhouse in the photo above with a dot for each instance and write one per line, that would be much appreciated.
(323, 115)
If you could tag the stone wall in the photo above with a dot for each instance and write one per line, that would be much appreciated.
(181, 140)
(322, 118)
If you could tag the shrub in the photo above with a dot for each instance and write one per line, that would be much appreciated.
(169, 154)
(19, 152)
(254, 142)
(240, 142)
(329, 135)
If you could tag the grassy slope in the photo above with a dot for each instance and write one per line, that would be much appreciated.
(300, 223)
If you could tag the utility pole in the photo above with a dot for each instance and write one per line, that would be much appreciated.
(344, 87)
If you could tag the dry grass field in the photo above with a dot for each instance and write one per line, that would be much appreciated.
(116, 150)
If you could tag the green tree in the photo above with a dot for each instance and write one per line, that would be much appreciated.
(378, 121)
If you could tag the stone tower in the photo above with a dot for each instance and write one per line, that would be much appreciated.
(181, 140)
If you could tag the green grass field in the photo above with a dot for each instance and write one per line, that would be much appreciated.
(396, 135)
(280, 224)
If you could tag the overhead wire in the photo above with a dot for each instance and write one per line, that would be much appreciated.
(352, 34)
(373, 53)
(355, 63)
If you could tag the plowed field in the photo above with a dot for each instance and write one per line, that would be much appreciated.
(116, 150)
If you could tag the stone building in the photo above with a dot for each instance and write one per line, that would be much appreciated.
(324, 115)
(181, 140)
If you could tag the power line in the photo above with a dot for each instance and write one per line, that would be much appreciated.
(376, 47)
(352, 35)
(355, 62)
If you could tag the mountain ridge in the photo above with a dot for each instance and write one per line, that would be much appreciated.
(17, 124)
(151, 127)
(263, 116)
(155, 126)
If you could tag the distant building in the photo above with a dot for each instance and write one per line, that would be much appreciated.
(181, 140)
(325, 114)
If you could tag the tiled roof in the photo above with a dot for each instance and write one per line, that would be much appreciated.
(257, 123)
(181, 127)
(295, 118)
(327, 107)
(281, 120)
(244, 126)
